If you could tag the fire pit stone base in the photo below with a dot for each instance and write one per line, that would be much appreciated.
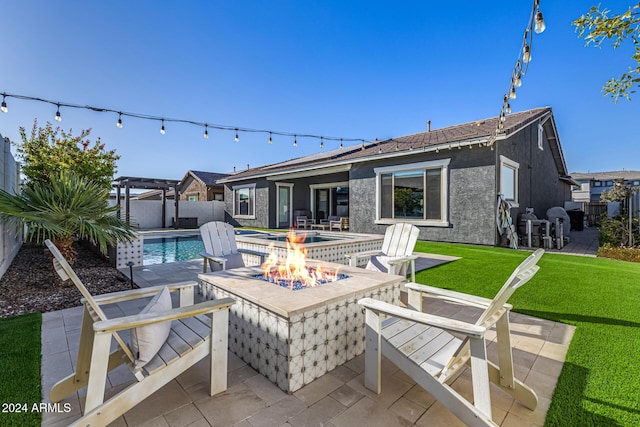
(293, 350)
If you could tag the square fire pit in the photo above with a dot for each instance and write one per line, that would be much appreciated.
(293, 337)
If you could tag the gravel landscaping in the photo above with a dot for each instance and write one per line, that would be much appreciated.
(30, 284)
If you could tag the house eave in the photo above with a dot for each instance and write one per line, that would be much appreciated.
(345, 165)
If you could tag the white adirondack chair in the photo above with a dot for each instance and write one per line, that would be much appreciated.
(221, 251)
(422, 346)
(396, 253)
(197, 331)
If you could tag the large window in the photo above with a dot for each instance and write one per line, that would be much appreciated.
(509, 180)
(414, 192)
(244, 201)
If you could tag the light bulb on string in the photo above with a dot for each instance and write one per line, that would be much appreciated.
(526, 54)
(518, 81)
(162, 131)
(119, 124)
(206, 131)
(270, 139)
(236, 139)
(295, 141)
(512, 93)
(58, 116)
(341, 143)
(507, 108)
(4, 104)
(540, 25)
(321, 143)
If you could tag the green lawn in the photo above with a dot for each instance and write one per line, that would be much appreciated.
(20, 364)
(600, 382)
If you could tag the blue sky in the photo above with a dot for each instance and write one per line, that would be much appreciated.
(353, 69)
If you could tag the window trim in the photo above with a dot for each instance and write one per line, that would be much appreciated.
(443, 165)
(505, 161)
(541, 137)
(235, 188)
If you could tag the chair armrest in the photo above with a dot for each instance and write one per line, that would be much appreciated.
(262, 255)
(401, 260)
(363, 254)
(459, 297)
(136, 320)
(139, 293)
(219, 260)
(465, 328)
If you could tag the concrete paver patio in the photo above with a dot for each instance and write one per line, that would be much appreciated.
(337, 398)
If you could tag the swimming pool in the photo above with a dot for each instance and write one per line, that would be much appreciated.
(160, 248)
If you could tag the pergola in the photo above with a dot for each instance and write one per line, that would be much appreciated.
(128, 182)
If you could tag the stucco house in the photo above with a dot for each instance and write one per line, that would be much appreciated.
(445, 181)
(590, 186)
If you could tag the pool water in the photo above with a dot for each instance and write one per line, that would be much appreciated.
(160, 250)
(171, 249)
(307, 239)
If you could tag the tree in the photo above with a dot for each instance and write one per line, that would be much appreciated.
(48, 152)
(67, 206)
(621, 193)
(599, 25)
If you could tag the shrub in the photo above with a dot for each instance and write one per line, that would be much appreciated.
(615, 231)
(620, 253)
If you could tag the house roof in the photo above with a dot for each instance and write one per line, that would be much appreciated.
(207, 178)
(463, 134)
(607, 176)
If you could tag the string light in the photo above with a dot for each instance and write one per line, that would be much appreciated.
(341, 143)
(321, 143)
(540, 25)
(270, 139)
(207, 126)
(162, 131)
(536, 24)
(236, 139)
(295, 140)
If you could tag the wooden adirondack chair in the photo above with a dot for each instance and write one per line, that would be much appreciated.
(396, 252)
(422, 346)
(340, 224)
(221, 251)
(197, 331)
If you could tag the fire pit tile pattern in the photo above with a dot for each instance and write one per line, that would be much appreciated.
(293, 352)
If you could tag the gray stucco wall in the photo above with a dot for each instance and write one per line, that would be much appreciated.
(261, 204)
(539, 183)
(471, 197)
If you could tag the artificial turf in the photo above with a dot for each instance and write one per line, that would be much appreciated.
(20, 370)
(600, 381)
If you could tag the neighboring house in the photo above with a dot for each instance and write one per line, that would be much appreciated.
(195, 186)
(591, 185)
(199, 186)
(445, 181)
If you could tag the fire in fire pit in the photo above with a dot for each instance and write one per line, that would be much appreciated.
(294, 273)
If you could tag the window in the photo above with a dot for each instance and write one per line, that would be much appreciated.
(219, 197)
(636, 183)
(244, 201)
(509, 180)
(597, 183)
(415, 193)
(192, 198)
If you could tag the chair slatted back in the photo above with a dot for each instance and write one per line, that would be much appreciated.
(219, 238)
(64, 270)
(400, 240)
(521, 275)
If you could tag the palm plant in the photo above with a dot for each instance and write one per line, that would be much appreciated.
(68, 207)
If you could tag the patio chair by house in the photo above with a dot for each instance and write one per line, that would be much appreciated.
(423, 346)
(342, 223)
(221, 251)
(303, 221)
(165, 342)
(396, 253)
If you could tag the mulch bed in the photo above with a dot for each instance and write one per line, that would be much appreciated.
(30, 284)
